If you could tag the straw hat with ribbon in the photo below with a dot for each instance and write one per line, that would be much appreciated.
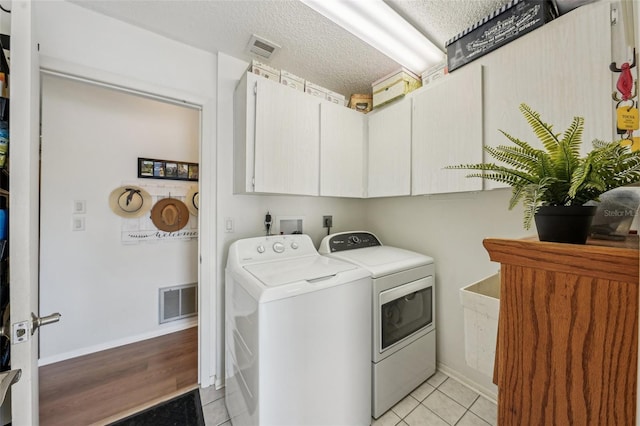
(193, 200)
(169, 214)
(130, 201)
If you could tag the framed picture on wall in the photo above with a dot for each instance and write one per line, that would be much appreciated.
(145, 168)
(171, 170)
(158, 169)
(183, 171)
(153, 168)
(193, 172)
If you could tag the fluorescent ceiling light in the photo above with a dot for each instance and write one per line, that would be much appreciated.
(376, 23)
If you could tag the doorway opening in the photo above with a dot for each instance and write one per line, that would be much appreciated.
(105, 283)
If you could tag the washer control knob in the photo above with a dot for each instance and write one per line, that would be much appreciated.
(260, 249)
(354, 239)
(278, 247)
(294, 245)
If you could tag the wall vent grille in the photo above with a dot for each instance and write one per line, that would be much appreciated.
(178, 302)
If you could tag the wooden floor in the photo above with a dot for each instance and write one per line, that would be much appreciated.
(96, 387)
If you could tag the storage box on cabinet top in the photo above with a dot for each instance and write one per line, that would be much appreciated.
(265, 70)
(292, 80)
(361, 102)
(336, 98)
(565, 6)
(506, 24)
(434, 73)
(315, 90)
(393, 86)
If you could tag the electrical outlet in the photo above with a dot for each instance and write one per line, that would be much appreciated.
(327, 221)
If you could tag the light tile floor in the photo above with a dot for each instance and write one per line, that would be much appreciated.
(213, 408)
(440, 401)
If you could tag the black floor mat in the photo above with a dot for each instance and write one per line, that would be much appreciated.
(183, 410)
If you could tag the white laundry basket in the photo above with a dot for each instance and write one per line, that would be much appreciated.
(481, 303)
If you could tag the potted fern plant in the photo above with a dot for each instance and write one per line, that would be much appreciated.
(554, 183)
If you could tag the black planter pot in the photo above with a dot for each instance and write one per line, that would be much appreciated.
(564, 224)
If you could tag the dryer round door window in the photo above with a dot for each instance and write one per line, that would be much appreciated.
(404, 310)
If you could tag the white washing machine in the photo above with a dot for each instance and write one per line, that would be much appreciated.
(298, 333)
(403, 353)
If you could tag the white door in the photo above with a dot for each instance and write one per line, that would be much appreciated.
(23, 231)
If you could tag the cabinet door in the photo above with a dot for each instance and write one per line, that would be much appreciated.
(389, 156)
(244, 120)
(287, 140)
(447, 130)
(559, 70)
(341, 151)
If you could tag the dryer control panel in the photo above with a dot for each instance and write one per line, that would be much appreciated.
(352, 240)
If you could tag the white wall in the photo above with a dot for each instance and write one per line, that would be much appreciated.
(450, 228)
(70, 33)
(106, 290)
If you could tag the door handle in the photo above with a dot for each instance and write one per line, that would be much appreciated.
(7, 378)
(37, 322)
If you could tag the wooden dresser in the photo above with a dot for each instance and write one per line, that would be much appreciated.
(567, 344)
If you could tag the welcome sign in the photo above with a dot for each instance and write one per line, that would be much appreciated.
(157, 235)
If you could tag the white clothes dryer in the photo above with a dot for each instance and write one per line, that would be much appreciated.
(403, 353)
(298, 333)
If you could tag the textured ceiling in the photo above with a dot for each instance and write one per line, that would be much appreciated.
(311, 46)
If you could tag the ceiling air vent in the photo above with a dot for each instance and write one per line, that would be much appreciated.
(262, 47)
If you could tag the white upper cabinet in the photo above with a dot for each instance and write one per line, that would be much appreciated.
(288, 142)
(389, 150)
(447, 130)
(559, 70)
(341, 151)
(277, 146)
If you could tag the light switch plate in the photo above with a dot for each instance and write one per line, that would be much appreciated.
(79, 206)
(77, 224)
(228, 224)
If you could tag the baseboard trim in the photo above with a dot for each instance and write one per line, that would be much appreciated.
(192, 322)
(482, 390)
